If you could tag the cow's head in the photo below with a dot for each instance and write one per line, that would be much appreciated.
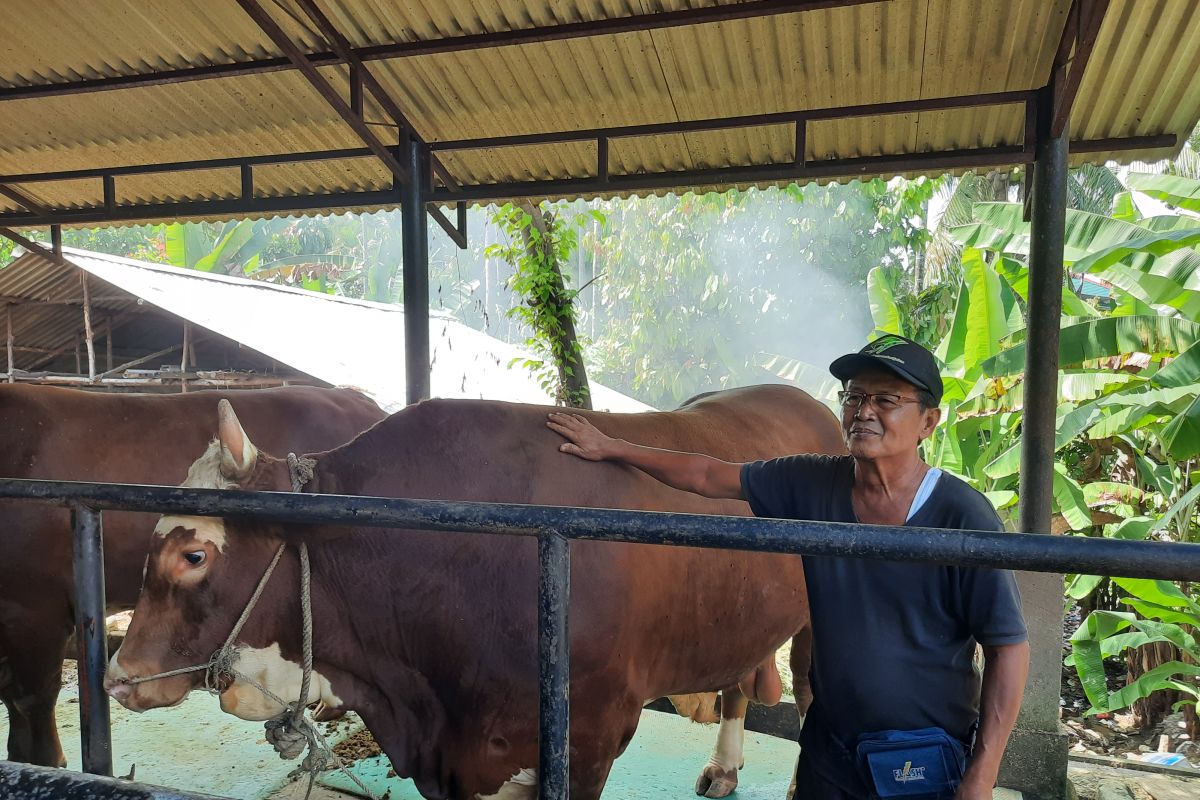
(200, 574)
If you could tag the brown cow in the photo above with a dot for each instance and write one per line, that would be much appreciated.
(431, 637)
(67, 434)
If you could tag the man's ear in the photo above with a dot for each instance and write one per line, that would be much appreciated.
(932, 417)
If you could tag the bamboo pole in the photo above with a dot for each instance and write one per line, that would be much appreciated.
(183, 361)
(88, 334)
(8, 326)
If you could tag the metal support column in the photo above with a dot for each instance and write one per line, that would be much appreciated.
(1036, 760)
(1047, 231)
(554, 652)
(415, 243)
(92, 637)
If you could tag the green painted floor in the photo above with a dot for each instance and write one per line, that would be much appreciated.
(197, 747)
(662, 761)
(192, 746)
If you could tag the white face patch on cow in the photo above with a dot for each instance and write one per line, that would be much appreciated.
(205, 472)
(268, 668)
(205, 529)
(522, 786)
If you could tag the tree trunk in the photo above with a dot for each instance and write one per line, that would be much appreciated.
(1150, 711)
(573, 389)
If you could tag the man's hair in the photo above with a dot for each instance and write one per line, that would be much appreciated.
(926, 398)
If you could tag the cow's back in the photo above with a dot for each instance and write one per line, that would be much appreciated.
(52, 433)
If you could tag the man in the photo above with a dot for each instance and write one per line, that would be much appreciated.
(893, 643)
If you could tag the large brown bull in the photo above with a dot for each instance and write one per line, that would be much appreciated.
(431, 637)
(66, 434)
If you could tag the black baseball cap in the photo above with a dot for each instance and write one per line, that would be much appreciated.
(904, 357)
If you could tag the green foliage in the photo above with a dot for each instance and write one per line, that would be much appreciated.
(231, 248)
(1164, 614)
(1128, 427)
(702, 292)
(1177, 191)
(536, 249)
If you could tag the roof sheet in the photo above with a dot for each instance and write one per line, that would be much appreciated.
(1139, 81)
(360, 344)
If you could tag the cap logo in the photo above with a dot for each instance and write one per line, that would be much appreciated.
(883, 343)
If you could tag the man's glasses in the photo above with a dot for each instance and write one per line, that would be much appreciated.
(883, 401)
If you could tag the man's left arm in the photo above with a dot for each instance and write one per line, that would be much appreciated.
(1005, 669)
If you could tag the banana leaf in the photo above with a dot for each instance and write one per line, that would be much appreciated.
(1069, 499)
(1000, 227)
(881, 292)
(1106, 337)
(1176, 190)
(1140, 252)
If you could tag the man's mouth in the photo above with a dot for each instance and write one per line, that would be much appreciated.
(863, 432)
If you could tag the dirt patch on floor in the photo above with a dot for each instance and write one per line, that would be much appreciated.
(357, 746)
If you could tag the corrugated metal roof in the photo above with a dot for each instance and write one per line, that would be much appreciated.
(357, 345)
(1140, 80)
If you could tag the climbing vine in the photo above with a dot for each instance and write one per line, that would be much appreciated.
(539, 240)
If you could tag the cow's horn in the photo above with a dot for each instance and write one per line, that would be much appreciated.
(238, 453)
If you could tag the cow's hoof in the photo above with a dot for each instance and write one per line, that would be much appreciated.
(716, 782)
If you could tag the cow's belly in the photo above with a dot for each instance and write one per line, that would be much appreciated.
(691, 620)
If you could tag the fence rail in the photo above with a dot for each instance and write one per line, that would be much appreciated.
(554, 527)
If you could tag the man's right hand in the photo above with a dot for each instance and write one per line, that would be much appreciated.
(583, 439)
(689, 472)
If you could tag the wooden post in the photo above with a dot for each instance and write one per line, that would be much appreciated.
(108, 343)
(183, 362)
(78, 362)
(88, 335)
(8, 325)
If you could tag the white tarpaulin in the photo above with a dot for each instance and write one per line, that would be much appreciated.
(340, 341)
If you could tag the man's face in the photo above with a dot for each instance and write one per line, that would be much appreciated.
(872, 431)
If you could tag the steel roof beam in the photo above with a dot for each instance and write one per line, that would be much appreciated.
(23, 200)
(685, 126)
(766, 173)
(747, 121)
(361, 77)
(1082, 29)
(332, 96)
(449, 44)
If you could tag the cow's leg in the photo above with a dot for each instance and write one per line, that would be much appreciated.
(720, 775)
(34, 677)
(800, 661)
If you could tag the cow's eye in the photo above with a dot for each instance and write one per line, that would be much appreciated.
(195, 557)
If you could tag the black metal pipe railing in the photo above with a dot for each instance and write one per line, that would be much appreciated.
(1032, 552)
(554, 659)
(555, 526)
(28, 781)
(92, 638)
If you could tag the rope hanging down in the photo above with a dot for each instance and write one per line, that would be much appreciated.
(291, 731)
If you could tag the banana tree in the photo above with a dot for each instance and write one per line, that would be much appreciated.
(232, 248)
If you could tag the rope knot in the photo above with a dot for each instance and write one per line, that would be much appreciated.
(301, 470)
(288, 738)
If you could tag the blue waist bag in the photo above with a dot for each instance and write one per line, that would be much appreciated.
(900, 764)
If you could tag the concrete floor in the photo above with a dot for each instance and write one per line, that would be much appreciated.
(663, 761)
(195, 746)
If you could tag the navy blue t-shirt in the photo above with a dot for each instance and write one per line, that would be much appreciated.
(893, 643)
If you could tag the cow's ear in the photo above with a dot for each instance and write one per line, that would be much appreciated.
(238, 453)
